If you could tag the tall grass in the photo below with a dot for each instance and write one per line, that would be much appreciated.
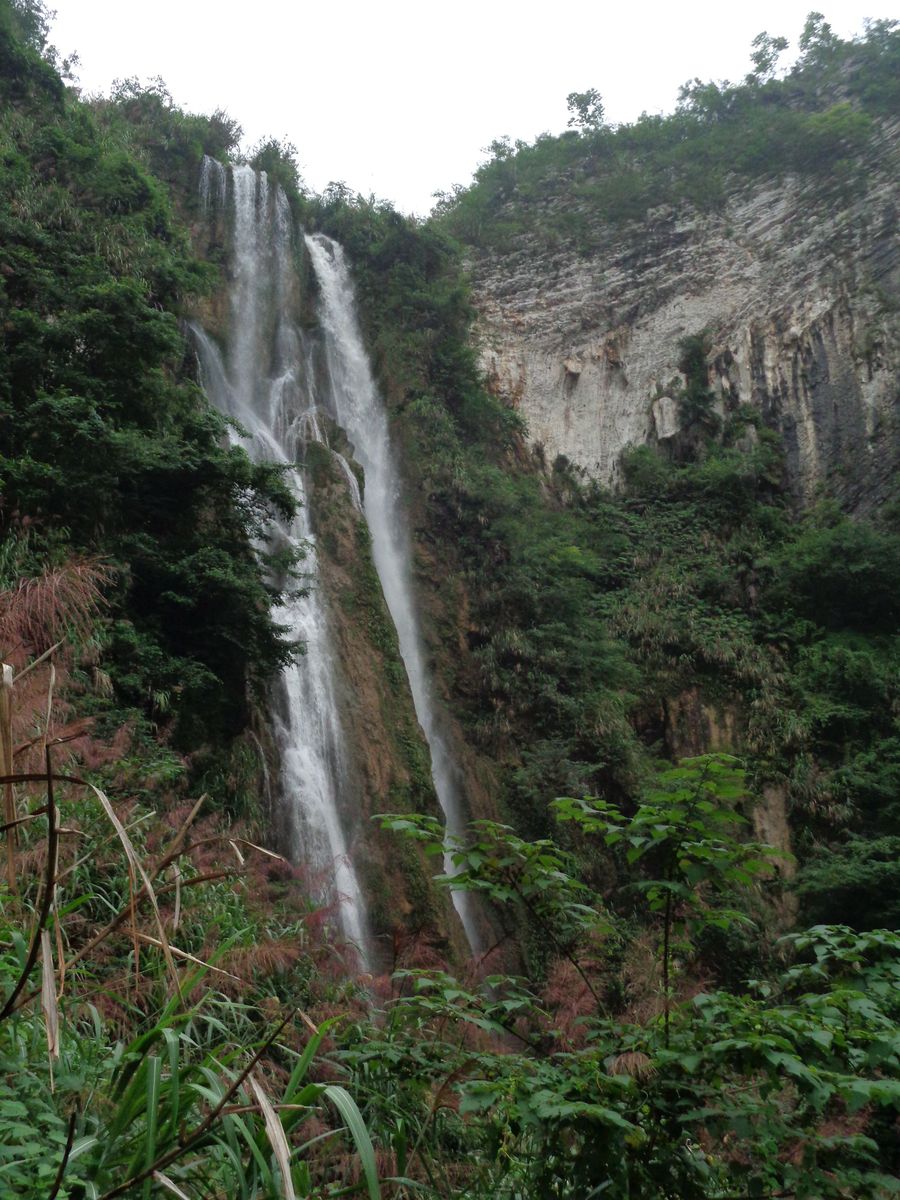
(124, 1071)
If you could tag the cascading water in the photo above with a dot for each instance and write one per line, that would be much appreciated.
(358, 408)
(262, 385)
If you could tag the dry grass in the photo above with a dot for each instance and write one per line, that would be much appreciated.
(61, 602)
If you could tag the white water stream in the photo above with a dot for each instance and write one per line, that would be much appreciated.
(360, 411)
(263, 385)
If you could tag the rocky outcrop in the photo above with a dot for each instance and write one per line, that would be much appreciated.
(797, 283)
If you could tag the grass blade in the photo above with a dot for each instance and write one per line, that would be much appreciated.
(6, 768)
(48, 995)
(346, 1106)
(154, 1075)
(277, 1140)
(135, 864)
(302, 1064)
(169, 1185)
(173, 1044)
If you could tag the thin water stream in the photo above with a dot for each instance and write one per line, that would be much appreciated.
(360, 411)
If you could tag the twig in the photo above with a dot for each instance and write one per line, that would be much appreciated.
(41, 777)
(458, 1073)
(6, 764)
(171, 854)
(46, 897)
(667, 934)
(23, 820)
(152, 941)
(114, 924)
(50, 688)
(57, 741)
(57, 930)
(124, 912)
(236, 1110)
(175, 846)
(566, 952)
(766, 1196)
(37, 662)
(64, 1161)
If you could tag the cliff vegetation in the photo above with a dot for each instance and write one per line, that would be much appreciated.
(816, 119)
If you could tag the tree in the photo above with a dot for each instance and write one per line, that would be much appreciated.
(818, 42)
(586, 110)
(731, 1095)
(766, 51)
(685, 827)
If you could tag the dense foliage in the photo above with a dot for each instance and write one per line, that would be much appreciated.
(785, 1087)
(645, 1025)
(590, 616)
(661, 1043)
(155, 1055)
(108, 447)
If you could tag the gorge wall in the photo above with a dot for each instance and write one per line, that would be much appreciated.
(796, 283)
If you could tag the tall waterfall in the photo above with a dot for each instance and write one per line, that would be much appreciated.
(264, 386)
(359, 409)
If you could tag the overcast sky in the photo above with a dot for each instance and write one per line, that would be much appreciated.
(399, 98)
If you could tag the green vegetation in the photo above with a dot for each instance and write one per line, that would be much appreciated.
(751, 1094)
(108, 448)
(146, 1068)
(817, 120)
(157, 964)
(587, 612)
(176, 1015)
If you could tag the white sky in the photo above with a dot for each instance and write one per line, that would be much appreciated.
(399, 98)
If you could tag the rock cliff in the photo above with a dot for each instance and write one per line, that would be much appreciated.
(797, 283)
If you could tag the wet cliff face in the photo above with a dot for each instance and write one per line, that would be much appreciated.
(797, 284)
(387, 753)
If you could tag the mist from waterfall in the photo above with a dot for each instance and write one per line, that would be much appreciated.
(263, 384)
(360, 411)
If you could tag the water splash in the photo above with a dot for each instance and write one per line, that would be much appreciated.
(359, 410)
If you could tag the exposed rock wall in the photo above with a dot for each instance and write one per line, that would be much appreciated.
(798, 284)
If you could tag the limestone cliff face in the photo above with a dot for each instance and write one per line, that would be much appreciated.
(797, 283)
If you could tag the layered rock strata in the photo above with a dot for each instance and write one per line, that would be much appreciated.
(797, 284)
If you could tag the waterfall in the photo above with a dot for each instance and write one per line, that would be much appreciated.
(262, 384)
(213, 184)
(360, 411)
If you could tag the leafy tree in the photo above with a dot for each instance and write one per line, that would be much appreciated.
(279, 160)
(839, 573)
(585, 110)
(766, 52)
(696, 398)
(819, 45)
(684, 828)
(104, 434)
(727, 1095)
(720, 136)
